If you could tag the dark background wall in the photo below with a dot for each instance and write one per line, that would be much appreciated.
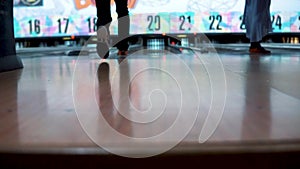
(8, 58)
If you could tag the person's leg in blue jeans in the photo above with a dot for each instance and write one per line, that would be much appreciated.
(258, 24)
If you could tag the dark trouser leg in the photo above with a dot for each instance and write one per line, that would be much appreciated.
(104, 19)
(103, 13)
(123, 24)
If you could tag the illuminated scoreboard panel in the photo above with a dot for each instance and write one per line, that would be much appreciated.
(51, 21)
(188, 22)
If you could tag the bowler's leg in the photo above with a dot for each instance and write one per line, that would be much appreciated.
(103, 13)
(123, 25)
(103, 22)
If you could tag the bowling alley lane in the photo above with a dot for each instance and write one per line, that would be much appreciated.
(228, 98)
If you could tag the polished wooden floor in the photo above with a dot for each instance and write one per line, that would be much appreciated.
(47, 106)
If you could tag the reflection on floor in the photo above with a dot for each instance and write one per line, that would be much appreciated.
(200, 103)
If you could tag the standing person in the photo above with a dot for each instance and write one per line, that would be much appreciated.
(258, 24)
(103, 23)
